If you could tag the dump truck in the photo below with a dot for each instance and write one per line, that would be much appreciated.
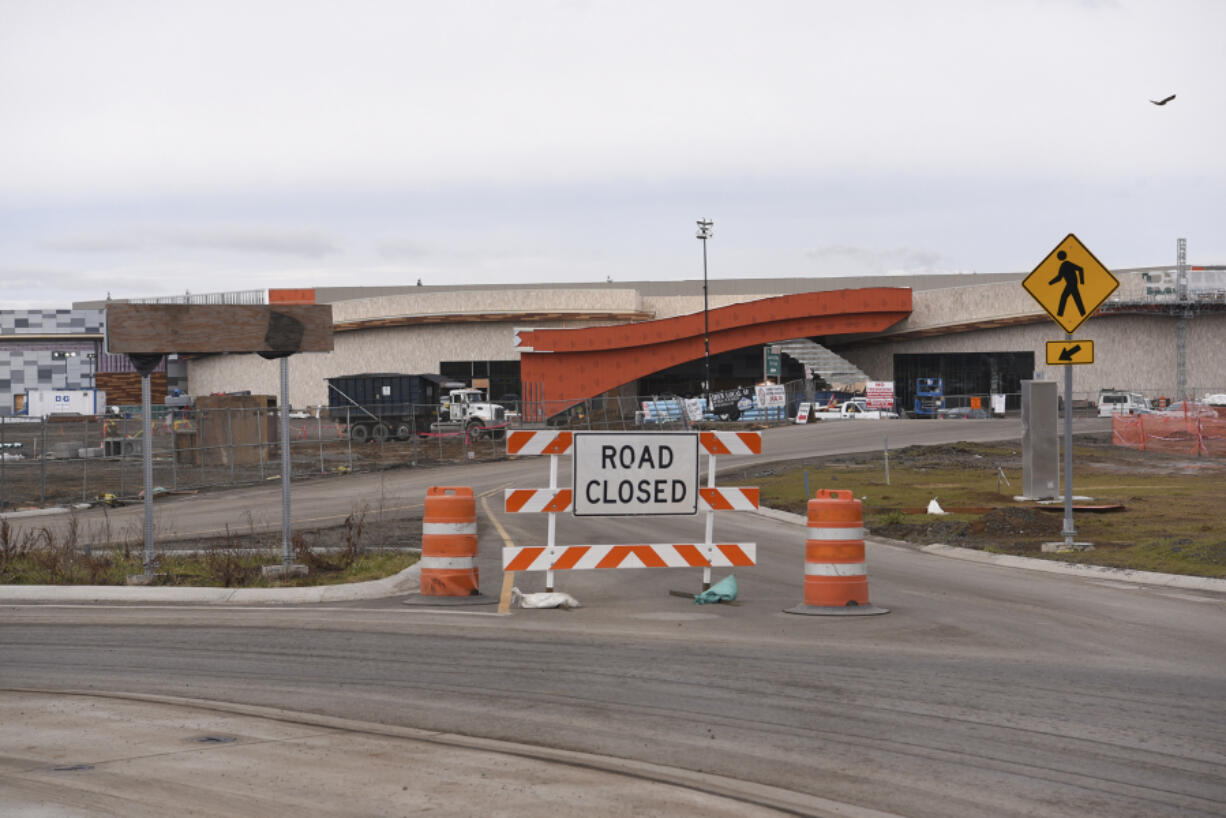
(467, 410)
(382, 405)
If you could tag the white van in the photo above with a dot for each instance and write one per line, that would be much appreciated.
(1112, 402)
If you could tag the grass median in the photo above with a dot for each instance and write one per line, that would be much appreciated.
(1155, 512)
(355, 551)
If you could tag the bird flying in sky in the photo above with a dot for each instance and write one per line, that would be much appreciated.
(1164, 101)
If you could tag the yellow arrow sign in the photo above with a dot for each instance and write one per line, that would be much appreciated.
(1060, 353)
(1070, 283)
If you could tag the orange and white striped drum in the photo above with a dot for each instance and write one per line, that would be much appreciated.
(449, 542)
(836, 571)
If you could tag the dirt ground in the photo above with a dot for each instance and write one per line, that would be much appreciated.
(1015, 528)
(1146, 510)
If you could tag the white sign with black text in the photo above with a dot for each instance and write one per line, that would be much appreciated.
(635, 473)
(771, 396)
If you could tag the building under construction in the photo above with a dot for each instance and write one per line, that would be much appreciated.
(554, 346)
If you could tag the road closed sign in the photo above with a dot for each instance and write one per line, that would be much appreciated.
(634, 474)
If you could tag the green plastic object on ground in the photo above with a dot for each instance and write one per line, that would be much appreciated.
(722, 591)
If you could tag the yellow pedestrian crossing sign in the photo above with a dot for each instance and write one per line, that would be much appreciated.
(1070, 283)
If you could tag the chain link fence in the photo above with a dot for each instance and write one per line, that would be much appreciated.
(70, 459)
(63, 460)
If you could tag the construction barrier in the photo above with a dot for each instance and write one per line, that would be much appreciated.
(655, 555)
(556, 500)
(1196, 431)
(836, 571)
(449, 548)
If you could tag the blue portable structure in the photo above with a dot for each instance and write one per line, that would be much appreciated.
(929, 397)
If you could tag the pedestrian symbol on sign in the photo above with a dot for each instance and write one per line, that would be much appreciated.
(1069, 274)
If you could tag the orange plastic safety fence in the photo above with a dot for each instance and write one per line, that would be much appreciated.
(1174, 434)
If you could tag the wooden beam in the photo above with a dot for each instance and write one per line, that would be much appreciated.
(215, 328)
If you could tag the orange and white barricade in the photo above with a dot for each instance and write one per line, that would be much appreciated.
(836, 570)
(555, 500)
(653, 555)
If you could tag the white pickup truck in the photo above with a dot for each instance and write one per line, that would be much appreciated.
(854, 409)
(1115, 402)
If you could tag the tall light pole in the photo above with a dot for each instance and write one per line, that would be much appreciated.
(704, 233)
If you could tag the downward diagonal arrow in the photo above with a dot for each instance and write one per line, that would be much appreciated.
(1067, 353)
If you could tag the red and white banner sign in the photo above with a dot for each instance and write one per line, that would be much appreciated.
(771, 396)
(879, 395)
(592, 557)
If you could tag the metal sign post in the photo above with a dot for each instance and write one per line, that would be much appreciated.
(286, 465)
(1069, 531)
(145, 364)
(1070, 284)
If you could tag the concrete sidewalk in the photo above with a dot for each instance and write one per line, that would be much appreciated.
(76, 755)
(407, 581)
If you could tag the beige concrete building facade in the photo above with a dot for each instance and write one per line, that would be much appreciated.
(418, 329)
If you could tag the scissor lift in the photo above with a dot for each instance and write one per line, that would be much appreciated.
(929, 397)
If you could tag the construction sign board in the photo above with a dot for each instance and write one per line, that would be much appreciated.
(147, 329)
(634, 474)
(1062, 353)
(1070, 283)
(879, 395)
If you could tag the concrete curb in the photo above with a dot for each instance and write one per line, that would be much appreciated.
(1074, 569)
(783, 516)
(407, 581)
(34, 512)
(1184, 581)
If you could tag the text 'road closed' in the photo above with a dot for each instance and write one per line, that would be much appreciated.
(619, 474)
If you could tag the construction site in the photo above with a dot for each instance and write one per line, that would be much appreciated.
(427, 374)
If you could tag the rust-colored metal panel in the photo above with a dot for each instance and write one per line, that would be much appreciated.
(867, 301)
(298, 296)
(214, 328)
(572, 365)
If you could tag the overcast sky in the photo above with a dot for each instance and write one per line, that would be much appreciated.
(150, 148)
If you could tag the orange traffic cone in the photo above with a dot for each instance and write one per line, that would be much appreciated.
(449, 549)
(836, 573)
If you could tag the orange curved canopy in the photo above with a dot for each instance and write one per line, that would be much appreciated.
(563, 367)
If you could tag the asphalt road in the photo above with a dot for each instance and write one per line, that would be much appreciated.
(327, 501)
(985, 691)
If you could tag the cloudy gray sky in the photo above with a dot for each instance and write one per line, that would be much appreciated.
(156, 147)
